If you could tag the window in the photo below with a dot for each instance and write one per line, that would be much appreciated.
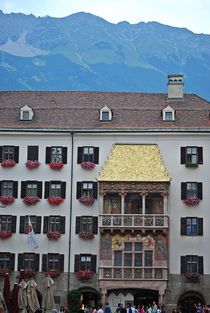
(132, 255)
(26, 113)
(168, 114)
(8, 222)
(56, 154)
(87, 154)
(148, 258)
(192, 226)
(88, 189)
(29, 261)
(33, 153)
(191, 190)
(7, 260)
(192, 264)
(117, 258)
(133, 203)
(55, 189)
(8, 188)
(9, 153)
(112, 203)
(86, 224)
(191, 155)
(54, 223)
(53, 261)
(85, 262)
(105, 114)
(31, 188)
(35, 221)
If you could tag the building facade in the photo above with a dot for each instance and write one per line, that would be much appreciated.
(116, 188)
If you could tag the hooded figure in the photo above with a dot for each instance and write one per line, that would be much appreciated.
(33, 302)
(48, 300)
(22, 296)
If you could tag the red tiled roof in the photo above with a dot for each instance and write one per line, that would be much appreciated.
(80, 110)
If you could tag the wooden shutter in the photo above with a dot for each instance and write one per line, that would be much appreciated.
(20, 261)
(64, 155)
(63, 190)
(15, 189)
(183, 191)
(200, 155)
(14, 219)
(183, 226)
(0, 154)
(79, 155)
(47, 189)
(95, 225)
(62, 224)
(96, 155)
(183, 155)
(33, 153)
(22, 225)
(200, 226)
(200, 265)
(45, 225)
(93, 263)
(23, 189)
(79, 190)
(0, 187)
(78, 225)
(183, 264)
(39, 189)
(38, 224)
(44, 262)
(95, 190)
(16, 154)
(200, 191)
(48, 155)
(76, 263)
(61, 262)
(12, 261)
(36, 262)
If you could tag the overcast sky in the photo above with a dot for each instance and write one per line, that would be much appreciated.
(192, 14)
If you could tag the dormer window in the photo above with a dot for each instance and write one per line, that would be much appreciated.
(168, 114)
(105, 114)
(26, 113)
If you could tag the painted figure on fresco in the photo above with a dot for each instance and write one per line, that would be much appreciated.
(106, 247)
(160, 248)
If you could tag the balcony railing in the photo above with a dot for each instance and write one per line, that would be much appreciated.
(123, 273)
(136, 221)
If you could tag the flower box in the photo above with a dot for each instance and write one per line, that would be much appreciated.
(28, 273)
(54, 235)
(4, 234)
(52, 273)
(192, 201)
(192, 277)
(86, 235)
(88, 165)
(86, 200)
(30, 200)
(32, 164)
(3, 271)
(84, 275)
(192, 165)
(7, 199)
(56, 165)
(55, 200)
(8, 163)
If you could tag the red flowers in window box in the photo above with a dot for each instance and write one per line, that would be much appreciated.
(4, 234)
(54, 235)
(32, 164)
(28, 273)
(84, 275)
(52, 273)
(192, 201)
(86, 235)
(192, 275)
(7, 199)
(30, 200)
(88, 165)
(55, 200)
(8, 163)
(56, 165)
(87, 200)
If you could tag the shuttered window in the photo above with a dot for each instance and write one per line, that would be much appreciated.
(9, 188)
(7, 260)
(28, 261)
(55, 189)
(35, 221)
(9, 153)
(56, 154)
(87, 224)
(192, 264)
(191, 190)
(85, 262)
(88, 189)
(192, 226)
(53, 261)
(88, 154)
(191, 155)
(54, 223)
(33, 153)
(31, 188)
(8, 223)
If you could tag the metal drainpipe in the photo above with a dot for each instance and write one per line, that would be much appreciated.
(71, 199)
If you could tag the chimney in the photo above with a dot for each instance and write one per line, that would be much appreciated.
(175, 86)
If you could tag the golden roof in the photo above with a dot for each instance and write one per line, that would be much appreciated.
(134, 163)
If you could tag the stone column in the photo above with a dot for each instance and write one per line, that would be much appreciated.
(143, 194)
(165, 202)
(122, 202)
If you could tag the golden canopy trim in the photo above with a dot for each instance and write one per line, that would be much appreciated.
(134, 163)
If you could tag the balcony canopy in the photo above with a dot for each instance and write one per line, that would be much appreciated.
(134, 163)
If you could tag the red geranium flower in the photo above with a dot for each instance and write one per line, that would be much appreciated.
(56, 165)
(5, 234)
(52, 273)
(7, 199)
(84, 275)
(86, 235)
(8, 163)
(54, 235)
(88, 165)
(192, 201)
(32, 164)
(30, 200)
(55, 200)
(87, 200)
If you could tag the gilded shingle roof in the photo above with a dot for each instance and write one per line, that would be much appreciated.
(134, 163)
